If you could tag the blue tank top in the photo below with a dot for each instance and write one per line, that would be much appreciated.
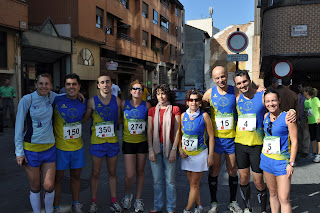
(279, 128)
(196, 127)
(251, 106)
(222, 104)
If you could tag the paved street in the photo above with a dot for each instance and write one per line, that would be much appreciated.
(305, 192)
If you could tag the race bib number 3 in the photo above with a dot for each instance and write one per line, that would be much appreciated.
(136, 126)
(72, 130)
(247, 122)
(224, 121)
(105, 129)
(189, 142)
(271, 145)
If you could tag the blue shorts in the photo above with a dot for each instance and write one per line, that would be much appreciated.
(35, 159)
(70, 159)
(224, 145)
(108, 150)
(272, 166)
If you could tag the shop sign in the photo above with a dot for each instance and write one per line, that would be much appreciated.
(112, 65)
(299, 30)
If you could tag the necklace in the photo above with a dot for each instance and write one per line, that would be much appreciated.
(275, 117)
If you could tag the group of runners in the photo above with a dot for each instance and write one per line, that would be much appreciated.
(49, 129)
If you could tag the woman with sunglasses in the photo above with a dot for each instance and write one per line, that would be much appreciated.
(135, 145)
(193, 148)
(279, 152)
(163, 126)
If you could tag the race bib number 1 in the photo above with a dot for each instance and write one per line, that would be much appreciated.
(224, 121)
(190, 142)
(247, 122)
(136, 126)
(72, 130)
(271, 145)
(105, 129)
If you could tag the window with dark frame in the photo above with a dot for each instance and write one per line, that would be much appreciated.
(155, 17)
(145, 10)
(110, 25)
(99, 18)
(164, 23)
(125, 3)
(145, 39)
(176, 31)
(3, 50)
(176, 11)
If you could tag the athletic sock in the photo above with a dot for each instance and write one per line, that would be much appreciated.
(245, 194)
(35, 201)
(213, 186)
(94, 200)
(233, 187)
(113, 199)
(48, 201)
(75, 202)
(262, 198)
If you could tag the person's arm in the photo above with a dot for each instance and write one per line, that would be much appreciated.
(291, 116)
(89, 110)
(206, 98)
(293, 132)
(182, 153)
(209, 129)
(148, 105)
(176, 133)
(119, 110)
(13, 93)
(152, 155)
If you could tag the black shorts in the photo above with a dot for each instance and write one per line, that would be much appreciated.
(314, 132)
(247, 156)
(135, 148)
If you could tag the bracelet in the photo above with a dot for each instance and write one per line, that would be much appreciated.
(175, 149)
(210, 157)
(293, 110)
(150, 148)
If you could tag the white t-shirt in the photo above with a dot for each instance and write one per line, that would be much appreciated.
(115, 89)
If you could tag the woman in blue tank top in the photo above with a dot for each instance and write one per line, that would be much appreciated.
(193, 147)
(279, 151)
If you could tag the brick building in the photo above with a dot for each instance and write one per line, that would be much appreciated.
(290, 31)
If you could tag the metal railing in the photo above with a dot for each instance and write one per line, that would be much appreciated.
(126, 37)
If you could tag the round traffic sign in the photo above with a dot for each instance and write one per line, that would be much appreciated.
(237, 42)
(282, 68)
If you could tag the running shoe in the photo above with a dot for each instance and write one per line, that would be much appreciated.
(138, 205)
(77, 208)
(234, 207)
(198, 209)
(187, 211)
(213, 208)
(126, 201)
(56, 210)
(317, 158)
(247, 210)
(93, 208)
(115, 207)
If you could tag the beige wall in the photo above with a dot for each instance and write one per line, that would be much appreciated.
(202, 24)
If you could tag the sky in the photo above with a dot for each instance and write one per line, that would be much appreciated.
(225, 12)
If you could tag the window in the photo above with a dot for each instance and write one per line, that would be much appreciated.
(165, 3)
(170, 51)
(144, 10)
(3, 50)
(176, 31)
(125, 3)
(85, 57)
(99, 18)
(110, 25)
(155, 17)
(144, 39)
(164, 23)
(177, 12)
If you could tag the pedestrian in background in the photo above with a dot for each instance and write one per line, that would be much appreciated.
(115, 89)
(7, 93)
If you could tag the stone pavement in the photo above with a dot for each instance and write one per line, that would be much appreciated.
(14, 193)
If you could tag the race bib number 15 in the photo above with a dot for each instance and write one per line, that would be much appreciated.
(224, 121)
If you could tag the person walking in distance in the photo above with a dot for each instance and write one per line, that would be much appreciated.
(7, 93)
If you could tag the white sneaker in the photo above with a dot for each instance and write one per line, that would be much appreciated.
(77, 208)
(198, 209)
(138, 205)
(93, 208)
(126, 201)
(213, 208)
(187, 211)
(247, 210)
(115, 207)
(317, 158)
(234, 207)
(56, 210)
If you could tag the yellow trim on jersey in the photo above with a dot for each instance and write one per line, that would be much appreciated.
(285, 156)
(37, 147)
(192, 153)
(96, 140)
(129, 138)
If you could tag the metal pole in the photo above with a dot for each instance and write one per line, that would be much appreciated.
(237, 62)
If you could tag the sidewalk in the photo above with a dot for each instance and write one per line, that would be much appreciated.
(305, 191)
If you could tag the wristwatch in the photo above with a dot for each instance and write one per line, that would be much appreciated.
(293, 164)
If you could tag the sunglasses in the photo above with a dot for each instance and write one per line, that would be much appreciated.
(195, 100)
(269, 128)
(137, 88)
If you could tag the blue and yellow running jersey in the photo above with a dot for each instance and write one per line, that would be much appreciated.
(134, 124)
(278, 128)
(194, 129)
(223, 105)
(104, 115)
(247, 110)
(68, 114)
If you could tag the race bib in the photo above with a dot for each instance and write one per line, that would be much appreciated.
(247, 122)
(224, 121)
(136, 126)
(72, 130)
(105, 129)
(190, 142)
(309, 112)
(271, 145)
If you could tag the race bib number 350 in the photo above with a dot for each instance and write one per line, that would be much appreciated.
(72, 130)
(224, 121)
(189, 142)
(271, 145)
(105, 129)
(136, 126)
(247, 122)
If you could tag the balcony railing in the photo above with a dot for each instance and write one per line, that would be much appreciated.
(126, 37)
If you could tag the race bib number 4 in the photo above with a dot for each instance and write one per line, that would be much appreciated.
(189, 142)
(224, 121)
(247, 122)
(105, 129)
(136, 126)
(72, 130)
(271, 145)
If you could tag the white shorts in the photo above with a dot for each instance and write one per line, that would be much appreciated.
(195, 163)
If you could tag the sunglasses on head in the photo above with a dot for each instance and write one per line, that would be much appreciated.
(269, 128)
(191, 100)
(137, 88)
